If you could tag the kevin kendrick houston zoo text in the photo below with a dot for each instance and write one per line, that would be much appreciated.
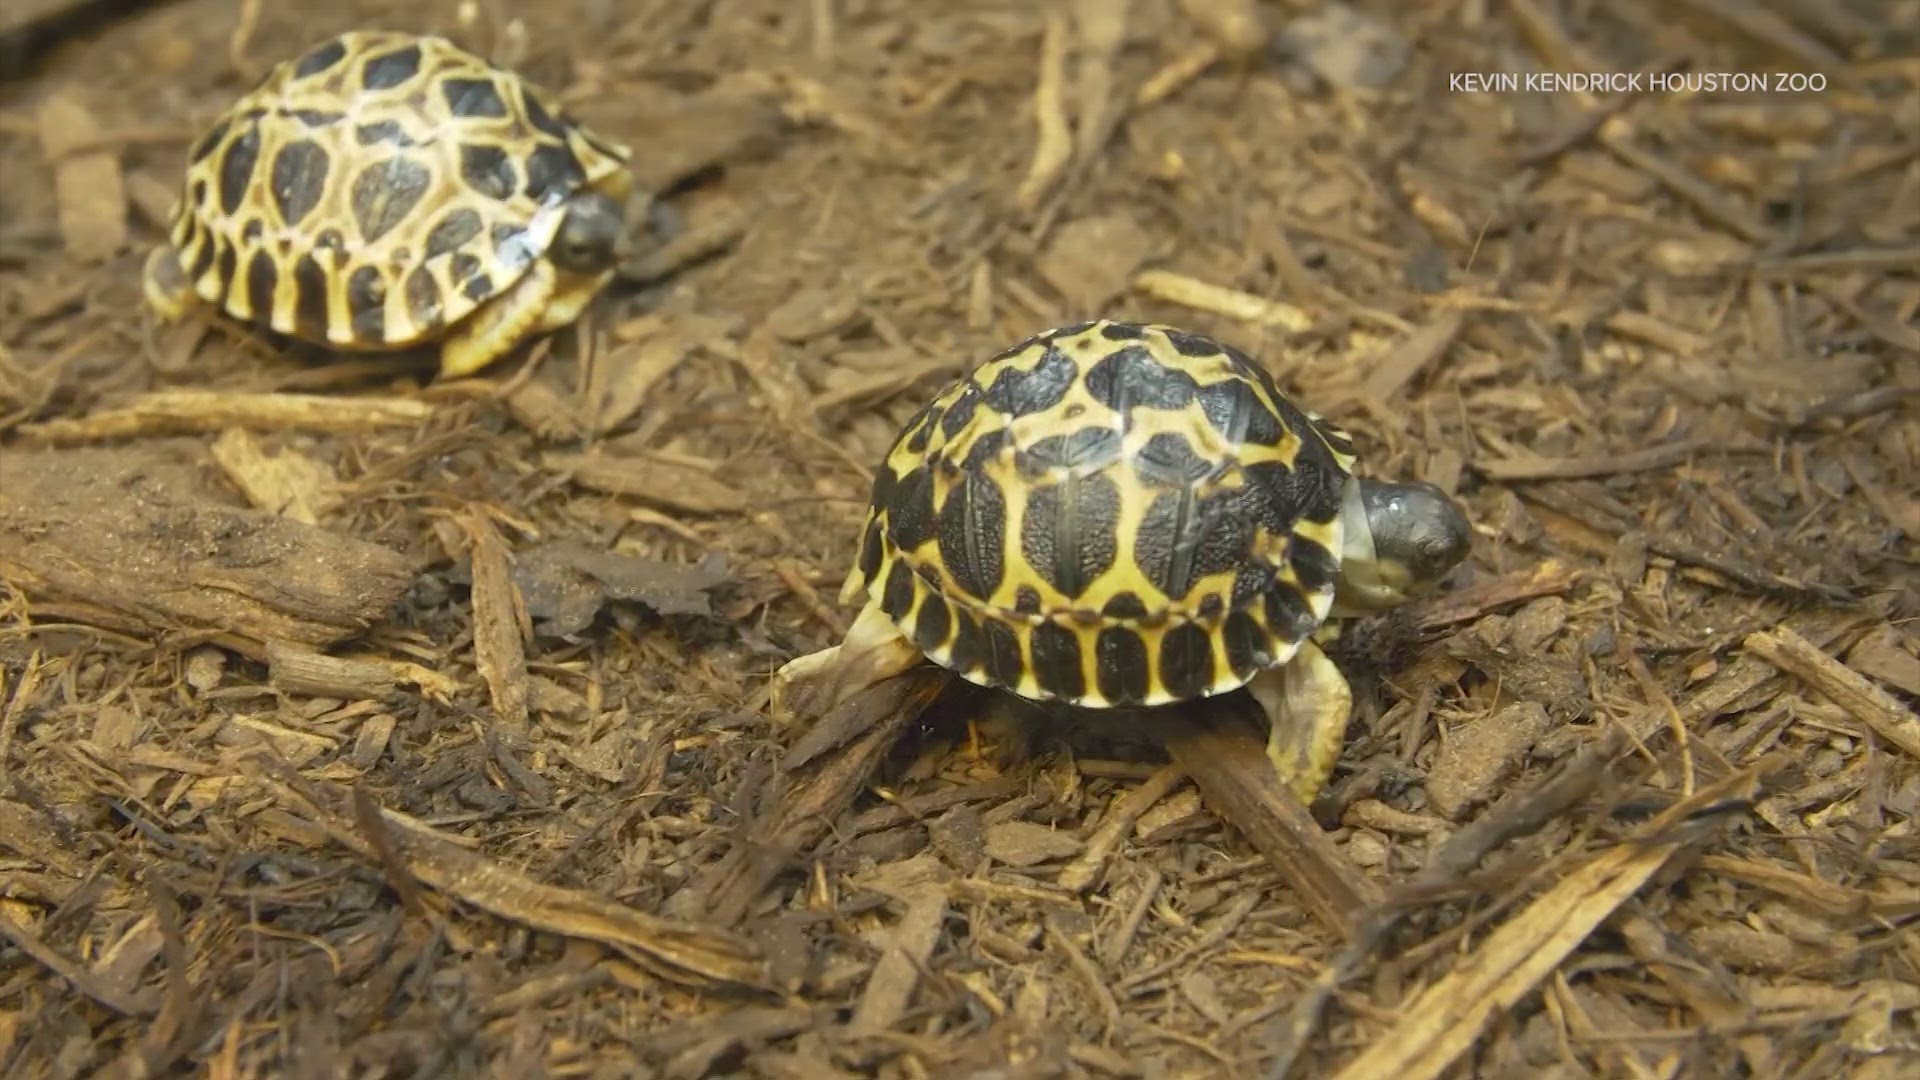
(1627, 82)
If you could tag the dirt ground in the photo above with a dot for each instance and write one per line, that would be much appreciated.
(358, 725)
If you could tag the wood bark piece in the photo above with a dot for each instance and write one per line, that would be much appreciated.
(649, 479)
(139, 537)
(684, 952)
(89, 192)
(501, 628)
(1229, 765)
(806, 800)
(181, 412)
(1850, 690)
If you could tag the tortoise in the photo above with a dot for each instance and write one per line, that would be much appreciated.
(1126, 515)
(387, 190)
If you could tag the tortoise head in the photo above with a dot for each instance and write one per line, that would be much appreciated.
(1398, 541)
(591, 233)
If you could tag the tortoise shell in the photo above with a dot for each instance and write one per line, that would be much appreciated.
(1108, 514)
(378, 189)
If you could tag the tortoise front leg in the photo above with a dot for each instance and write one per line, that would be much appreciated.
(1307, 702)
(874, 650)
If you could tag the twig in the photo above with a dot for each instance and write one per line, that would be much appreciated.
(1080, 874)
(1548, 578)
(1413, 355)
(1054, 146)
(197, 411)
(1606, 464)
(689, 953)
(1847, 688)
(1230, 767)
(1856, 259)
(1202, 296)
(82, 979)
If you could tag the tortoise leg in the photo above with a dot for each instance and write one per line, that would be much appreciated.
(542, 301)
(811, 685)
(165, 283)
(1307, 702)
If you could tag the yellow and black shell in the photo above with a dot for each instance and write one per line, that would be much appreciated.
(1108, 514)
(378, 189)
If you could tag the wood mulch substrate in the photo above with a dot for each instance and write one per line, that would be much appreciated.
(357, 726)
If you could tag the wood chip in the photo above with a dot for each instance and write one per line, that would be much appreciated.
(680, 951)
(1092, 260)
(650, 479)
(908, 946)
(502, 629)
(1053, 146)
(625, 373)
(1612, 463)
(1477, 756)
(566, 583)
(1235, 25)
(1023, 843)
(1234, 304)
(1888, 655)
(87, 185)
(192, 412)
(1412, 356)
(287, 483)
(139, 534)
(1864, 701)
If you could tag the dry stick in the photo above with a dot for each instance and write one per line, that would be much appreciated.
(1902, 258)
(809, 799)
(1413, 355)
(1234, 304)
(685, 952)
(1550, 577)
(1449, 1016)
(82, 979)
(1080, 874)
(373, 827)
(1518, 813)
(1054, 145)
(1605, 464)
(1847, 688)
(198, 411)
(1230, 767)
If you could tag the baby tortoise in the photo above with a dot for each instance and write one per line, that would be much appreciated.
(387, 190)
(1114, 515)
